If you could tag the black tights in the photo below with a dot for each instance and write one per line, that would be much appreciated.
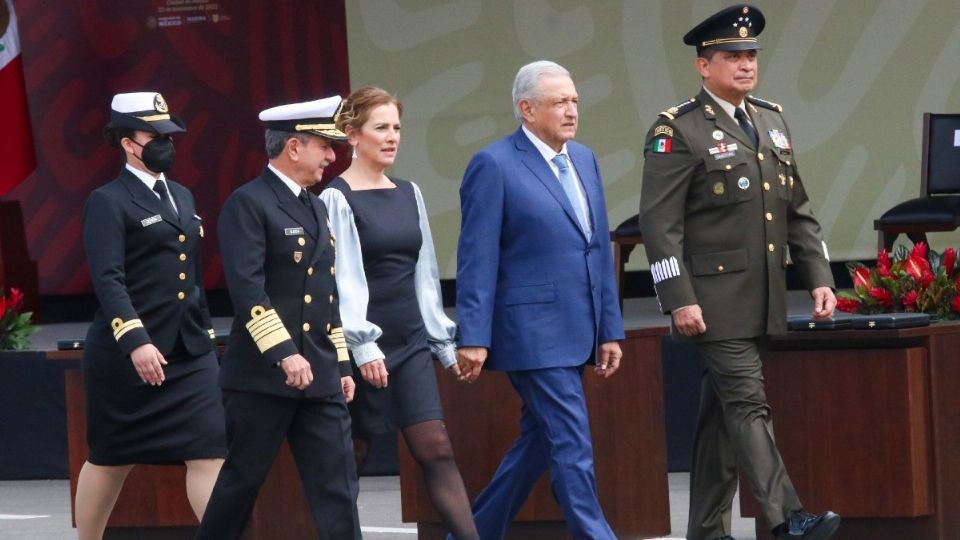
(430, 446)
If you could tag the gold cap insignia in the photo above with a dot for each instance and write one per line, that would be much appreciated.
(160, 104)
(743, 31)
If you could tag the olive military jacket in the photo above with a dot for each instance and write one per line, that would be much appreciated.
(278, 258)
(722, 218)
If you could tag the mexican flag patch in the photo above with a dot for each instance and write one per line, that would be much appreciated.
(662, 145)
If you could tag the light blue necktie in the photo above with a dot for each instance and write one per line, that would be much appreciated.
(569, 183)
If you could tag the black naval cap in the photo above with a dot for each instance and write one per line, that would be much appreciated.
(732, 29)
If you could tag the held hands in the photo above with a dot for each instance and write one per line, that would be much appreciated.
(375, 373)
(689, 320)
(824, 301)
(297, 368)
(348, 387)
(470, 360)
(608, 359)
(149, 364)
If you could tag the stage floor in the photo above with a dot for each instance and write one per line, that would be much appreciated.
(40, 510)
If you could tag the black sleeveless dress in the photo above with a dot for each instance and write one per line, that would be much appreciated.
(388, 224)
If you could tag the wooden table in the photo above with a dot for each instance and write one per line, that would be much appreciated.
(868, 424)
(153, 503)
(629, 443)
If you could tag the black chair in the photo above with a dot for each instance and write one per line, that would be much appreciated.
(938, 207)
(625, 238)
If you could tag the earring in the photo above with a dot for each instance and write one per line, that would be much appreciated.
(354, 156)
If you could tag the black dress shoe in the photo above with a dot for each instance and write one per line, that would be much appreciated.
(806, 526)
(728, 537)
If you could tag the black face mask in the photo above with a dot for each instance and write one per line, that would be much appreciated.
(158, 154)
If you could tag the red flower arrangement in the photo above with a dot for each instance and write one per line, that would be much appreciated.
(916, 280)
(15, 327)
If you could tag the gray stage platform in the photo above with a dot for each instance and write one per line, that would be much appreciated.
(40, 510)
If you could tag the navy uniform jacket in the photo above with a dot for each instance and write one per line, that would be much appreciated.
(145, 265)
(720, 218)
(278, 259)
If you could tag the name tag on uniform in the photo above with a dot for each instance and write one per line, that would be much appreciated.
(293, 231)
(151, 220)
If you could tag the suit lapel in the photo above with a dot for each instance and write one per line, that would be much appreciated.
(761, 124)
(534, 161)
(291, 205)
(147, 199)
(589, 181)
(185, 211)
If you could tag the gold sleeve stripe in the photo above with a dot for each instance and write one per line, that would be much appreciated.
(266, 328)
(336, 336)
(120, 328)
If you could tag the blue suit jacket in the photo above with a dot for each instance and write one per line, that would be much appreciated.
(530, 286)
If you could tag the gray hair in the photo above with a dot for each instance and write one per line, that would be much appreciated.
(275, 140)
(526, 85)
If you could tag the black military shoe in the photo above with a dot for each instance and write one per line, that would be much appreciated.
(806, 526)
(728, 537)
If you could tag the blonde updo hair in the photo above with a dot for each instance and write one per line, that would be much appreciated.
(357, 106)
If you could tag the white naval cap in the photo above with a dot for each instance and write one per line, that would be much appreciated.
(146, 111)
(318, 117)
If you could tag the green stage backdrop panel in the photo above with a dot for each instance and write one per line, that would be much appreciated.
(854, 79)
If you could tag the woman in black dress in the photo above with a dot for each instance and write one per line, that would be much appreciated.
(150, 371)
(390, 303)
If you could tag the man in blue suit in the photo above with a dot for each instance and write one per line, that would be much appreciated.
(536, 297)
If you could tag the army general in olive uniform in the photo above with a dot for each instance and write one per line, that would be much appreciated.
(722, 211)
(286, 370)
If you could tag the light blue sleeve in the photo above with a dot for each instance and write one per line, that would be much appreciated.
(360, 333)
(441, 331)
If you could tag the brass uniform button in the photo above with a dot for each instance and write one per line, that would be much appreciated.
(307, 298)
(791, 181)
(333, 271)
(761, 158)
(306, 327)
(332, 243)
(310, 271)
(766, 186)
(771, 248)
(728, 167)
(769, 216)
(328, 328)
(181, 295)
(720, 268)
(182, 276)
(183, 256)
(182, 238)
(301, 241)
(788, 163)
(331, 298)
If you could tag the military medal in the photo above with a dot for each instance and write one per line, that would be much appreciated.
(743, 182)
(717, 135)
(723, 150)
(297, 256)
(719, 188)
(779, 139)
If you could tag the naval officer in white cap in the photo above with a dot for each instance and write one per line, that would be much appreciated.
(150, 373)
(285, 373)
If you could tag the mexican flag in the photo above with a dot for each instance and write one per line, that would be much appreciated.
(16, 139)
